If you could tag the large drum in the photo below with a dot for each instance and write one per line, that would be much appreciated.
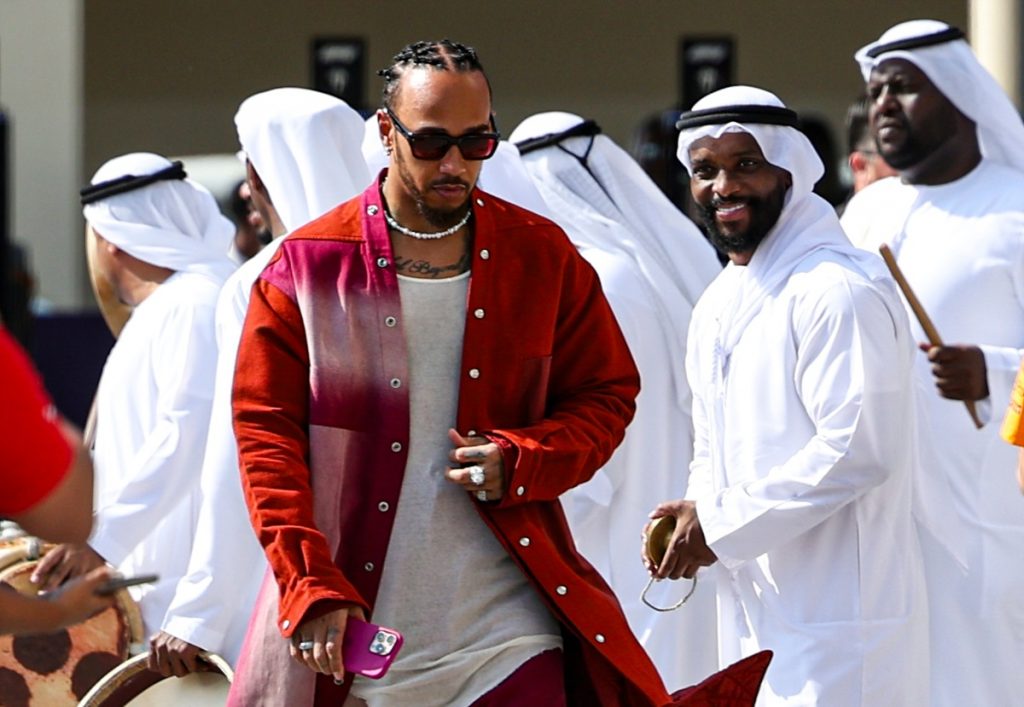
(58, 669)
(132, 684)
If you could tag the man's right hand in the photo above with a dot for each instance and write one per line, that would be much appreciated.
(64, 562)
(77, 600)
(687, 549)
(172, 656)
(326, 634)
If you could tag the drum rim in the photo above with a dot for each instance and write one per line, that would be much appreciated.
(130, 671)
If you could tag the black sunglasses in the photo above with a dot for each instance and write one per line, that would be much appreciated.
(434, 146)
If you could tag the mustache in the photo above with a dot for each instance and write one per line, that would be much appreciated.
(895, 121)
(449, 181)
(717, 202)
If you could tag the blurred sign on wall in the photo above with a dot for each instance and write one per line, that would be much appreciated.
(706, 65)
(339, 68)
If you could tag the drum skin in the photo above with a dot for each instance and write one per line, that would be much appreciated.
(58, 669)
(132, 684)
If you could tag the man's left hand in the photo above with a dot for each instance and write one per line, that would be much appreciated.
(62, 563)
(172, 656)
(477, 452)
(687, 549)
(959, 370)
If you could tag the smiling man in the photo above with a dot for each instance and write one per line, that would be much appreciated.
(423, 371)
(800, 488)
(955, 221)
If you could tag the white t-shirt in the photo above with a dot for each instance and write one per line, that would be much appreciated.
(468, 615)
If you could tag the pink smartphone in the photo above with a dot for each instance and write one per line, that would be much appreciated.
(369, 649)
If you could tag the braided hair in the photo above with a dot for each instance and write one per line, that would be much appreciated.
(444, 55)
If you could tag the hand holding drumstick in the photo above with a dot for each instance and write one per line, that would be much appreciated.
(959, 370)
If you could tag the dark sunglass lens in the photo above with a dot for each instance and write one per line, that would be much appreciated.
(478, 147)
(430, 147)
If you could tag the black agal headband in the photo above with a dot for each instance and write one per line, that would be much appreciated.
(129, 182)
(767, 115)
(586, 128)
(926, 40)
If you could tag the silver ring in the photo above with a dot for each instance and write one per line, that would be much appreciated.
(481, 495)
(476, 475)
(305, 645)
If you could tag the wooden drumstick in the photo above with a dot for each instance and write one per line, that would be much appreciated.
(922, 316)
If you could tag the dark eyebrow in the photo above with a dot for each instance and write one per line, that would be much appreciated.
(883, 76)
(433, 130)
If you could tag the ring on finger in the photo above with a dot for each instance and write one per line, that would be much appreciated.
(305, 645)
(476, 475)
(481, 495)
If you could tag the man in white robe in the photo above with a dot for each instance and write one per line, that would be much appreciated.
(653, 264)
(303, 156)
(954, 218)
(800, 489)
(162, 243)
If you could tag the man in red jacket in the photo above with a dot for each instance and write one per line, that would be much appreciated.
(422, 372)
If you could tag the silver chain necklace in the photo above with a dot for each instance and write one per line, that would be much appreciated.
(420, 235)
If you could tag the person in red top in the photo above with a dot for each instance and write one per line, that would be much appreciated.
(423, 371)
(47, 480)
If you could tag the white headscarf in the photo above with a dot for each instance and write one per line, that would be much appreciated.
(502, 175)
(613, 206)
(782, 146)
(172, 223)
(807, 222)
(305, 146)
(667, 245)
(961, 78)
(373, 148)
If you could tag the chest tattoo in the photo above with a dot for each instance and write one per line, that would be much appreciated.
(427, 269)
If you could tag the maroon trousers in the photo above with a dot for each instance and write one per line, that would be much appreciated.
(539, 682)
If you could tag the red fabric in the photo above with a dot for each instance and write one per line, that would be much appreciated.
(538, 682)
(34, 454)
(736, 686)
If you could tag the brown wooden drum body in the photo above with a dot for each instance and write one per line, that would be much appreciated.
(57, 669)
(132, 684)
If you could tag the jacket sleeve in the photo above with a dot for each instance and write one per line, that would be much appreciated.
(592, 386)
(851, 378)
(270, 403)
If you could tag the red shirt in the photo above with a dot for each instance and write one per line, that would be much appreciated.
(34, 454)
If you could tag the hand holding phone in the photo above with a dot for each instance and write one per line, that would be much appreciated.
(369, 649)
(116, 583)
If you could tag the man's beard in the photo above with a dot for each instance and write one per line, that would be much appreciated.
(438, 218)
(906, 154)
(921, 141)
(764, 214)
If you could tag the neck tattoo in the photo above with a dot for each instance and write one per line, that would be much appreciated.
(417, 267)
(421, 235)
